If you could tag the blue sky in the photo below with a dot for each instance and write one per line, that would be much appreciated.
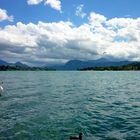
(33, 13)
(84, 29)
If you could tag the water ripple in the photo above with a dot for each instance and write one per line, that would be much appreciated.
(55, 105)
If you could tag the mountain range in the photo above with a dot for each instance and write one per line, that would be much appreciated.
(74, 64)
(78, 64)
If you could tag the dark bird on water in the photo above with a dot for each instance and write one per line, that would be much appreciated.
(76, 137)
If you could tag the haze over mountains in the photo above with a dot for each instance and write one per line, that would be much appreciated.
(75, 64)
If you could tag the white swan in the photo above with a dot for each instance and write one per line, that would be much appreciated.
(1, 90)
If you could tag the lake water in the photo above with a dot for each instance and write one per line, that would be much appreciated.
(55, 105)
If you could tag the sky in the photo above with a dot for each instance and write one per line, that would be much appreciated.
(38, 32)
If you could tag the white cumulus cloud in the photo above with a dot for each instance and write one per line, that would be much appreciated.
(96, 19)
(5, 16)
(34, 2)
(79, 11)
(62, 41)
(55, 4)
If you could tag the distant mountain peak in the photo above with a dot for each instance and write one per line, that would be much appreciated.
(2, 62)
(73, 61)
(20, 64)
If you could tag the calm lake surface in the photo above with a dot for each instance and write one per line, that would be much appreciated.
(55, 105)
